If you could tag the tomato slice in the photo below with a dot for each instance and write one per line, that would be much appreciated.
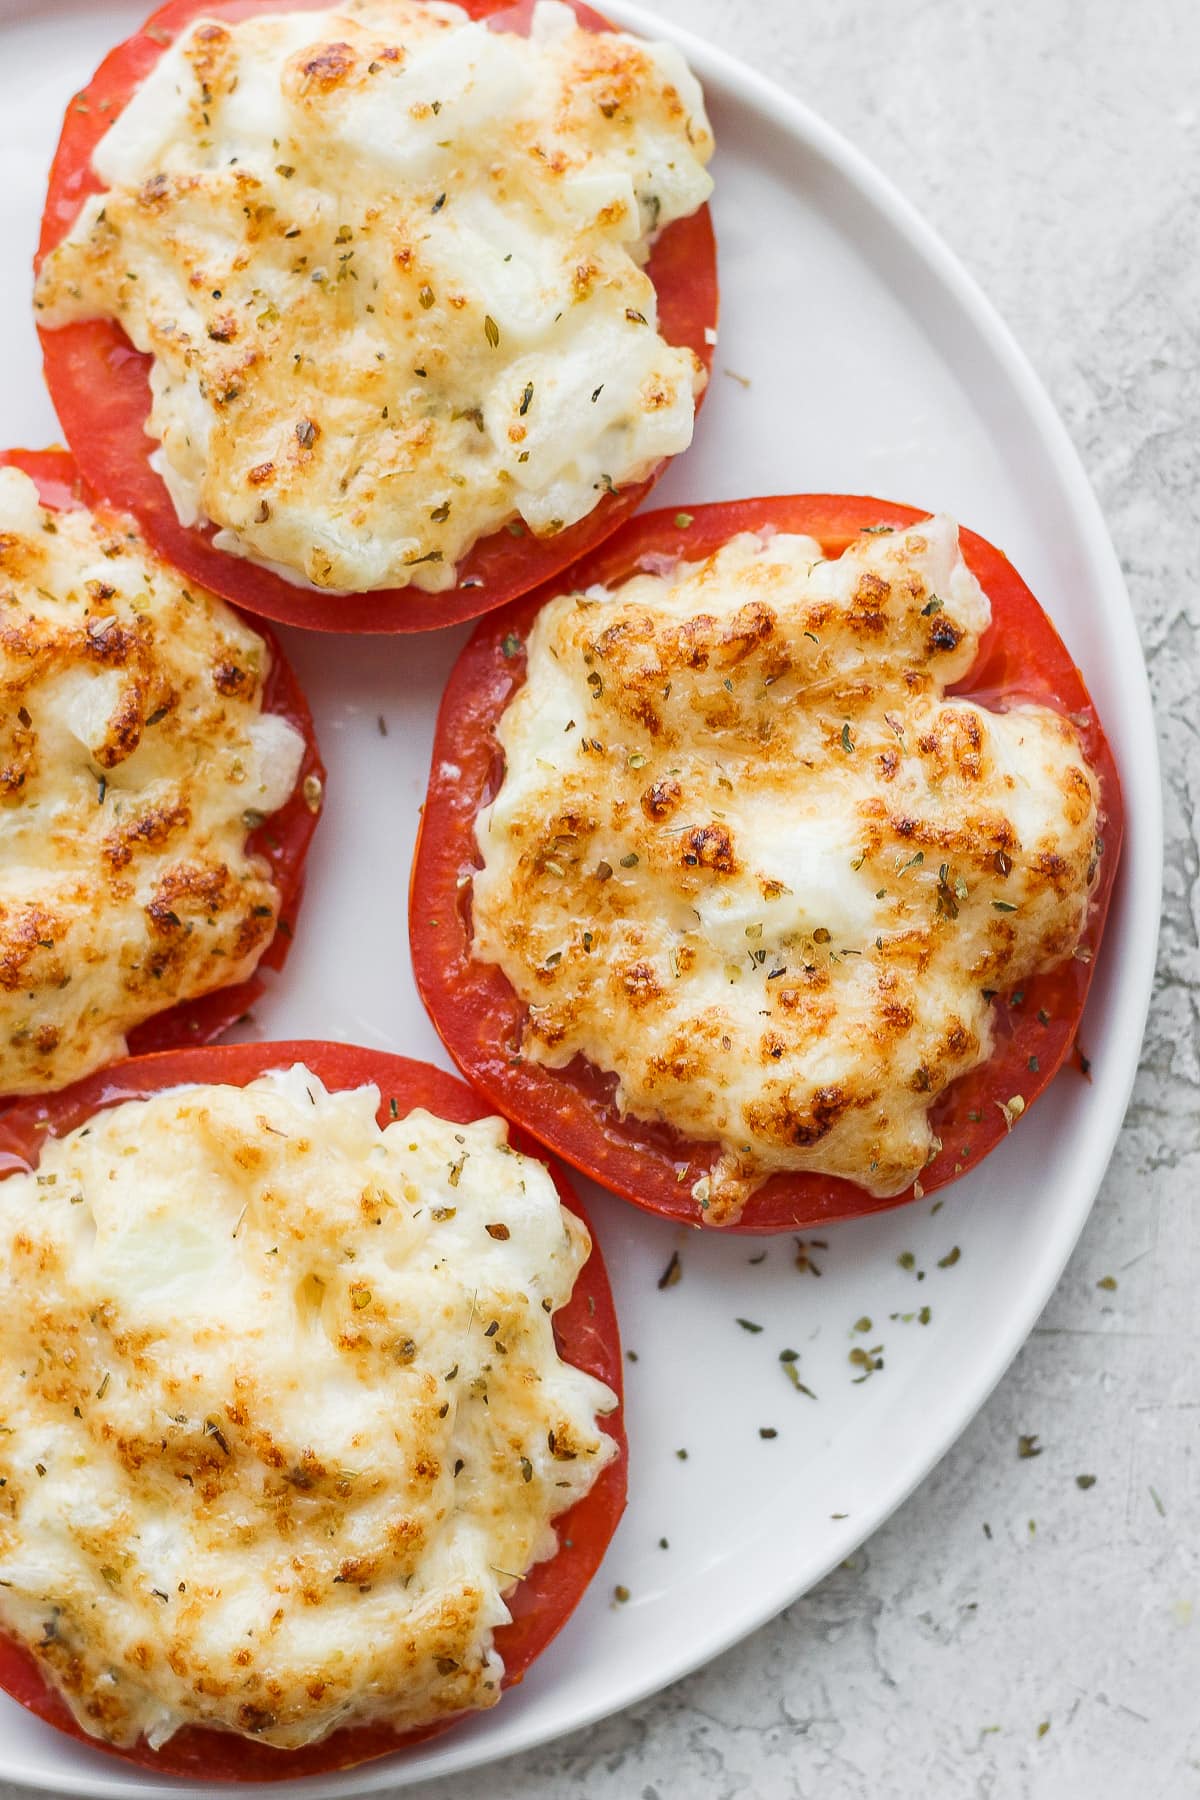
(100, 384)
(479, 1015)
(585, 1331)
(282, 840)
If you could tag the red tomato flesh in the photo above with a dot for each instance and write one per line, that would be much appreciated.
(478, 1014)
(100, 384)
(585, 1331)
(282, 840)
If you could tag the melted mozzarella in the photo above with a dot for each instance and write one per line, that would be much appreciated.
(749, 856)
(134, 759)
(389, 265)
(284, 1416)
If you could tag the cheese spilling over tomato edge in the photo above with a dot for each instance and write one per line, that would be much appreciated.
(749, 857)
(284, 1416)
(136, 762)
(389, 264)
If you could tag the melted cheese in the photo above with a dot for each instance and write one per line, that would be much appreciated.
(134, 758)
(748, 856)
(389, 265)
(284, 1417)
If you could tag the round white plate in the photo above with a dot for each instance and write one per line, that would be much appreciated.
(855, 355)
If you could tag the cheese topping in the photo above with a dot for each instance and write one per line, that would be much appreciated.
(749, 857)
(389, 265)
(283, 1417)
(135, 758)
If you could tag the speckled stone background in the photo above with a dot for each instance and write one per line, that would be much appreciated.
(1056, 145)
(1012, 1632)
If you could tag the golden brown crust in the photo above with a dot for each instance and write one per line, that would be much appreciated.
(768, 872)
(128, 768)
(283, 1413)
(498, 349)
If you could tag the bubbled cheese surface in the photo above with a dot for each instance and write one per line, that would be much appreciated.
(749, 856)
(135, 758)
(389, 265)
(283, 1415)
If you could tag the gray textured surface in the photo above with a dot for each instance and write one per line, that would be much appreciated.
(1055, 144)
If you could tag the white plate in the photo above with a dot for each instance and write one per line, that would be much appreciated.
(874, 365)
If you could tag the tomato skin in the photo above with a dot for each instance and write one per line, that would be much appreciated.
(585, 1330)
(477, 1013)
(100, 384)
(282, 840)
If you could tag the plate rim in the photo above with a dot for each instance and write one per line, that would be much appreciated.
(1138, 892)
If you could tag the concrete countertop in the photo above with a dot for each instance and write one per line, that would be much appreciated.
(1014, 1631)
(1056, 145)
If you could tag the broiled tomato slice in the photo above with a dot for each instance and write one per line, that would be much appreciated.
(585, 1331)
(100, 384)
(479, 1015)
(282, 840)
